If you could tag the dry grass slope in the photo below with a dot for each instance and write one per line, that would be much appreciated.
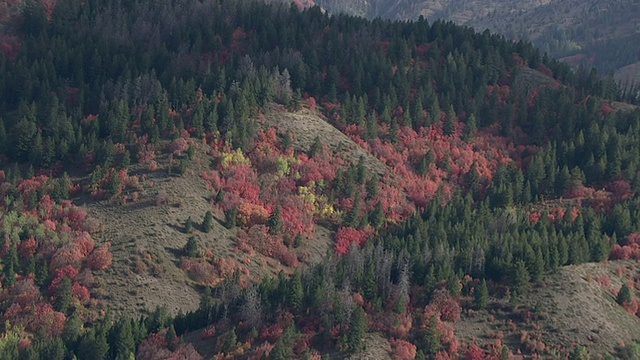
(307, 125)
(570, 306)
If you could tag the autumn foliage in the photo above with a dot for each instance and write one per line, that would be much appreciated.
(58, 237)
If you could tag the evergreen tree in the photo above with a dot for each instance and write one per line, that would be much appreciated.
(624, 295)
(580, 353)
(275, 221)
(230, 342)
(64, 295)
(172, 338)
(93, 346)
(449, 122)
(188, 225)
(123, 344)
(481, 295)
(42, 273)
(431, 340)
(282, 348)
(520, 278)
(470, 128)
(230, 218)
(357, 330)
(376, 217)
(207, 222)
(316, 147)
(72, 330)
(191, 248)
(295, 292)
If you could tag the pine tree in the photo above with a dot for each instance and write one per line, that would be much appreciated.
(191, 248)
(275, 221)
(624, 295)
(42, 273)
(521, 277)
(357, 330)
(93, 346)
(431, 340)
(4, 140)
(123, 342)
(449, 122)
(230, 218)
(481, 295)
(188, 226)
(295, 292)
(376, 217)
(580, 353)
(72, 330)
(172, 338)
(282, 348)
(230, 342)
(470, 128)
(316, 147)
(207, 222)
(64, 295)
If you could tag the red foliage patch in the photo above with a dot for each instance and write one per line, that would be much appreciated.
(100, 259)
(403, 350)
(345, 236)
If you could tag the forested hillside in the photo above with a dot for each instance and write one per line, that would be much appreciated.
(315, 180)
(589, 33)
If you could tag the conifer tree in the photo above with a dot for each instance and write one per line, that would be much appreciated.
(481, 295)
(357, 330)
(171, 338)
(123, 342)
(624, 295)
(207, 222)
(521, 277)
(275, 221)
(188, 226)
(191, 248)
(64, 295)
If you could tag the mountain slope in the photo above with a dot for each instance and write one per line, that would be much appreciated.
(591, 33)
(290, 184)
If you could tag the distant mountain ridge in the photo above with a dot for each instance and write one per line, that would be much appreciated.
(596, 34)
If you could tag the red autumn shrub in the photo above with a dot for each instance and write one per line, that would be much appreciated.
(52, 322)
(80, 293)
(242, 180)
(252, 214)
(178, 146)
(99, 259)
(154, 347)
(604, 280)
(261, 352)
(401, 325)
(69, 254)
(345, 236)
(620, 189)
(474, 352)
(24, 293)
(67, 271)
(208, 332)
(402, 350)
(448, 307)
(27, 248)
(200, 270)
